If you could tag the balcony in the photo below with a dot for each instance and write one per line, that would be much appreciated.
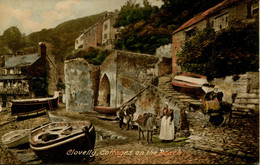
(14, 90)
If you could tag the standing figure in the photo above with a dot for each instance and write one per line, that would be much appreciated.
(214, 95)
(167, 124)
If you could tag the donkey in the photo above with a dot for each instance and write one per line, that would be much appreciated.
(149, 125)
(225, 112)
(126, 113)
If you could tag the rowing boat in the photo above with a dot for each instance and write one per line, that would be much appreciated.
(16, 138)
(190, 83)
(31, 107)
(107, 110)
(58, 140)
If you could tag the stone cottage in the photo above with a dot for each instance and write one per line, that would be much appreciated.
(102, 34)
(227, 14)
(21, 72)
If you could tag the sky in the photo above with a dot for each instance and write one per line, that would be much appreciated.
(33, 15)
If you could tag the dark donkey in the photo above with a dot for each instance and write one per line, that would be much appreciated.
(126, 113)
(147, 122)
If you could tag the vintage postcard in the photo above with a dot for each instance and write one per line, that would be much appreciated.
(129, 82)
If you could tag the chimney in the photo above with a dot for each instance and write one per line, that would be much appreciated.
(42, 49)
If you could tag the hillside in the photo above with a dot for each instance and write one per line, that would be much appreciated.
(63, 36)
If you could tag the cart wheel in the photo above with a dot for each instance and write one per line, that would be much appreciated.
(216, 120)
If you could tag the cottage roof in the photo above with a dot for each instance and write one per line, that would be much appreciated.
(12, 77)
(206, 14)
(20, 61)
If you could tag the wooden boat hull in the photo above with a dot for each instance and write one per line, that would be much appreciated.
(30, 106)
(107, 110)
(75, 146)
(190, 84)
(32, 113)
(192, 78)
(16, 138)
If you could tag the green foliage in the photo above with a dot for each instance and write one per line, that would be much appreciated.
(92, 55)
(132, 13)
(234, 51)
(147, 28)
(11, 39)
(60, 85)
(39, 86)
(138, 36)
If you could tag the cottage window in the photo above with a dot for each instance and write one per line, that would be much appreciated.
(221, 21)
(254, 9)
(190, 33)
(5, 71)
(93, 37)
(105, 36)
(81, 38)
(105, 27)
(19, 71)
(11, 71)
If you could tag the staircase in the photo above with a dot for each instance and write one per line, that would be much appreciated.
(166, 87)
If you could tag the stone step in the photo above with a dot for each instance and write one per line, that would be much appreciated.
(247, 95)
(170, 91)
(189, 100)
(174, 93)
(244, 106)
(184, 97)
(247, 101)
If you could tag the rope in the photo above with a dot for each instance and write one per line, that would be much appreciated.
(54, 66)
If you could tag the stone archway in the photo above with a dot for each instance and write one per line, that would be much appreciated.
(104, 92)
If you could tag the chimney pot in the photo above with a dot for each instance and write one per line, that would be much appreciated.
(42, 49)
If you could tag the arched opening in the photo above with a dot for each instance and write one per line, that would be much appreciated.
(104, 92)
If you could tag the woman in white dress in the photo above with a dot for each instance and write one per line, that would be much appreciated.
(167, 124)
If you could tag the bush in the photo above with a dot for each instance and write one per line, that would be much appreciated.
(233, 51)
(92, 55)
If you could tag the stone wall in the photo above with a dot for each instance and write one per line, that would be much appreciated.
(244, 88)
(136, 64)
(164, 53)
(133, 69)
(116, 70)
(81, 79)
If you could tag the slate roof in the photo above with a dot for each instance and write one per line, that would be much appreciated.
(20, 61)
(206, 14)
(12, 77)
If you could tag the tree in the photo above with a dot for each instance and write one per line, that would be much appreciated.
(13, 38)
(131, 13)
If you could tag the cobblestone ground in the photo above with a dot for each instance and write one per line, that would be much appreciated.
(239, 139)
(237, 144)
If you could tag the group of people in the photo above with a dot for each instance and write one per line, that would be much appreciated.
(167, 130)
